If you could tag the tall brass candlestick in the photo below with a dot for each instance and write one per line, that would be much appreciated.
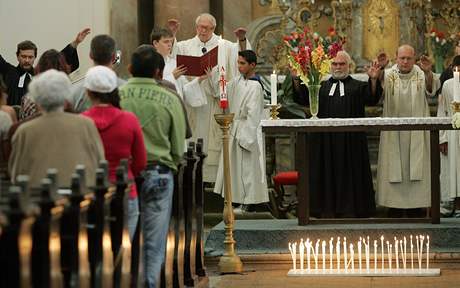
(230, 262)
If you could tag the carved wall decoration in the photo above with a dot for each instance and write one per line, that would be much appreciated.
(381, 28)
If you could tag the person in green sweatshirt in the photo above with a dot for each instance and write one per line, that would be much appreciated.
(162, 120)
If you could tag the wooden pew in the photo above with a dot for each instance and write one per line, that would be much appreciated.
(17, 218)
(121, 244)
(199, 196)
(99, 245)
(190, 276)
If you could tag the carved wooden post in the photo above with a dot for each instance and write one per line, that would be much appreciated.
(199, 195)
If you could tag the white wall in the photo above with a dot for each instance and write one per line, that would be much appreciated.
(51, 24)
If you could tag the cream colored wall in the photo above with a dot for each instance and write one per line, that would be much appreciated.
(51, 24)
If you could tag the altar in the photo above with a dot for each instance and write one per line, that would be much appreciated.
(305, 126)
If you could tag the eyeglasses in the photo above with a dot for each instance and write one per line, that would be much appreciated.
(205, 28)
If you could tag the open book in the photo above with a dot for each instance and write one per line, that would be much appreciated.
(196, 66)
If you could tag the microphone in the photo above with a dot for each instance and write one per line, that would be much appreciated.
(204, 50)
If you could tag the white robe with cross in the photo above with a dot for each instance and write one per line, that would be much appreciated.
(403, 173)
(201, 118)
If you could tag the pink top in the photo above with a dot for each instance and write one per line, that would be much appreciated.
(122, 137)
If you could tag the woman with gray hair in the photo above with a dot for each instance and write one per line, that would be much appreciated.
(55, 139)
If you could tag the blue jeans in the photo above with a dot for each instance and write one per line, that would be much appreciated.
(132, 215)
(156, 197)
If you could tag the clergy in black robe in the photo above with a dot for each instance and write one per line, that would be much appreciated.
(17, 78)
(340, 175)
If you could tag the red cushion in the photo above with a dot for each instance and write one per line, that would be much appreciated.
(286, 178)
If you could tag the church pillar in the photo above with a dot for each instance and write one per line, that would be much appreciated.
(216, 8)
(146, 18)
(124, 29)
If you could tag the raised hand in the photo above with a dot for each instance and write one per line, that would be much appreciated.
(173, 25)
(179, 71)
(425, 63)
(81, 36)
(208, 74)
(374, 70)
(240, 33)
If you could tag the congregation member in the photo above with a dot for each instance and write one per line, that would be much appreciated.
(17, 78)
(403, 173)
(246, 101)
(340, 174)
(103, 53)
(6, 120)
(162, 119)
(449, 144)
(202, 118)
(120, 131)
(55, 139)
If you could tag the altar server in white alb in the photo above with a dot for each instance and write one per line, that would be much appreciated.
(449, 140)
(202, 118)
(246, 101)
(403, 174)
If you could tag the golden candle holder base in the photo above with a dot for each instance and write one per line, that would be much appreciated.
(455, 107)
(274, 111)
(230, 262)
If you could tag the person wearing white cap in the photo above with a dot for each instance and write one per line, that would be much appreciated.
(56, 139)
(120, 131)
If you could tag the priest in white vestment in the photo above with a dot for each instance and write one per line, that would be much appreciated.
(246, 101)
(403, 175)
(202, 117)
(449, 141)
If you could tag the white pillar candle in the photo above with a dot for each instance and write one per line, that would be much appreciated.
(331, 250)
(337, 250)
(274, 88)
(396, 252)
(301, 252)
(456, 85)
(390, 256)
(428, 252)
(308, 246)
(405, 253)
(422, 239)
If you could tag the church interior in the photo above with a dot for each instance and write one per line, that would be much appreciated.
(46, 233)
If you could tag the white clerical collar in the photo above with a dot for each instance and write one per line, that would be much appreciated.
(22, 79)
(341, 88)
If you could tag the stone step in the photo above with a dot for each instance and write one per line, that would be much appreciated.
(273, 236)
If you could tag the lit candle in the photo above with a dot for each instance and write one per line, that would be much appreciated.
(405, 253)
(337, 249)
(456, 85)
(352, 257)
(389, 254)
(308, 253)
(223, 90)
(359, 253)
(331, 250)
(274, 88)
(292, 249)
(383, 255)
(375, 255)
(418, 252)
(323, 251)
(345, 256)
(411, 253)
(316, 254)
(396, 252)
(366, 243)
(422, 238)
(427, 252)
(301, 252)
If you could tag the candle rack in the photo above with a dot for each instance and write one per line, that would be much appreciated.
(384, 258)
(274, 111)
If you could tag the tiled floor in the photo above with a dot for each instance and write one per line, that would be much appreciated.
(450, 277)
